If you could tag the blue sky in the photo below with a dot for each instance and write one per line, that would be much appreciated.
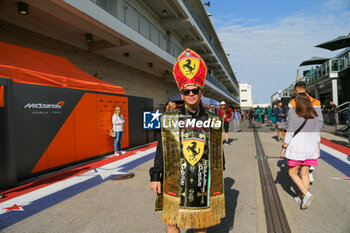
(267, 40)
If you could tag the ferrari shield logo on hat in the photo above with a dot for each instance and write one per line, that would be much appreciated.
(189, 66)
(189, 69)
(193, 150)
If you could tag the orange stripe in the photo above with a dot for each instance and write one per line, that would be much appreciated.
(314, 102)
(171, 193)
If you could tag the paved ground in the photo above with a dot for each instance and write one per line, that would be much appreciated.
(330, 208)
(128, 205)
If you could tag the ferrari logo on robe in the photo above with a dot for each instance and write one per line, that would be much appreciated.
(189, 66)
(193, 150)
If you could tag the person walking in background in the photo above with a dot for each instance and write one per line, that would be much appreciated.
(212, 108)
(269, 115)
(258, 112)
(302, 145)
(300, 87)
(236, 120)
(226, 114)
(170, 106)
(332, 112)
(281, 115)
(273, 118)
(118, 122)
(263, 116)
(251, 117)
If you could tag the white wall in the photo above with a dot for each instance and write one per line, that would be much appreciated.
(245, 92)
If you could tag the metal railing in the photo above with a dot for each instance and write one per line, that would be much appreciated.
(127, 14)
(341, 128)
(343, 107)
(323, 71)
(209, 39)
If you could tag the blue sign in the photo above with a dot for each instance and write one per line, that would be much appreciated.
(151, 120)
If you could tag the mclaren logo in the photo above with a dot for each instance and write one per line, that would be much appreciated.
(59, 105)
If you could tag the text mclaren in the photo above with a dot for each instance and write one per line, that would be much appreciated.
(46, 106)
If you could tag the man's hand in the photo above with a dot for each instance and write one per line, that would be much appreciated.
(156, 186)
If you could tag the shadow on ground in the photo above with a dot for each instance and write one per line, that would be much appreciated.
(276, 138)
(284, 180)
(232, 140)
(231, 196)
(340, 143)
(229, 140)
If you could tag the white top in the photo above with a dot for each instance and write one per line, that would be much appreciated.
(305, 144)
(117, 123)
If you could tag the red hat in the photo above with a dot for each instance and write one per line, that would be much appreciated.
(189, 69)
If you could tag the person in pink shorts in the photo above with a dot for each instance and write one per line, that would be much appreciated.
(302, 145)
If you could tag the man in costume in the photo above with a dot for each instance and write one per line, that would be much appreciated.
(188, 167)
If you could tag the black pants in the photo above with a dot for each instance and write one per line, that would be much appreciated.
(332, 118)
(226, 125)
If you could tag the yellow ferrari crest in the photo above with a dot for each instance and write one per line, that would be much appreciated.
(189, 66)
(193, 149)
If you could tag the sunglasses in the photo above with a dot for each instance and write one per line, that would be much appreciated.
(194, 91)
